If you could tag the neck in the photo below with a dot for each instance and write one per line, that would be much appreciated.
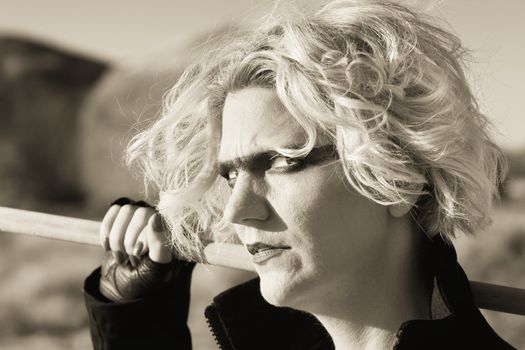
(398, 293)
(347, 334)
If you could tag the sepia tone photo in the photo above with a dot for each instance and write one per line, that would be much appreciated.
(339, 174)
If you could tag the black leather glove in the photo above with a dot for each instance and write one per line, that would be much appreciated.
(123, 282)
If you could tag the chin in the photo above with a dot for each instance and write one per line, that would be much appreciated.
(280, 291)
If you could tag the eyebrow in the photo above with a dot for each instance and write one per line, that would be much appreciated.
(261, 160)
(252, 161)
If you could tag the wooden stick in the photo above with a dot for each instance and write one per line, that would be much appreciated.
(83, 231)
(487, 296)
(498, 298)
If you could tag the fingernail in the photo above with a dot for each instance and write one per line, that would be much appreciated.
(134, 260)
(138, 249)
(119, 256)
(106, 244)
(158, 225)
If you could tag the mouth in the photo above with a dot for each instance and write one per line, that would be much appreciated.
(261, 252)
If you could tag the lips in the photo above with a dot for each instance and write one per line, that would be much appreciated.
(261, 247)
(261, 252)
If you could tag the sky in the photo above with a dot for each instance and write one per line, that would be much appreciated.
(116, 30)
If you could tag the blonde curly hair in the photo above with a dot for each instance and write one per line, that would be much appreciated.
(386, 83)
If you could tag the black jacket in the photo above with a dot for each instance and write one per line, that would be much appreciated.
(240, 318)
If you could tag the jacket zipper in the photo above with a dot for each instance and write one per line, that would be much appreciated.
(217, 329)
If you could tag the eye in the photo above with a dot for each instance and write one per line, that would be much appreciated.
(282, 163)
(231, 177)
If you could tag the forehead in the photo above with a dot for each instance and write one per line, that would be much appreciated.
(254, 120)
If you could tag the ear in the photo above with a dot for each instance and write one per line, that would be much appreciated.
(399, 210)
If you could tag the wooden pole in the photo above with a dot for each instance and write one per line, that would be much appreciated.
(486, 296)
(83, 231)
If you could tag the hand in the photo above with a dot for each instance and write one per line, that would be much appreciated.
(139, 264)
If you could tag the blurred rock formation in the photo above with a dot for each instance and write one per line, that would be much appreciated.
(42, 89)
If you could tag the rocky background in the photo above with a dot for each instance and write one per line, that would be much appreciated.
(64, 120)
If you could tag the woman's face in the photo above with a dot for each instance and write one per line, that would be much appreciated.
(313, 238)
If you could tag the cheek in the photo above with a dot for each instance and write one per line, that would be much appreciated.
(308, 202)
(326, 217)
(313, 196)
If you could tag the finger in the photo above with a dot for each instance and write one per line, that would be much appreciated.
(105, 226)
(156, 235)
(140, 249)
(118, 231)
(141, 246)
(137, 224)
(135, 247)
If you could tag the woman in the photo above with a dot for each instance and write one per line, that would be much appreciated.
(343, 149)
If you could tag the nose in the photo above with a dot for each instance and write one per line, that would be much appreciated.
(247, 204)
